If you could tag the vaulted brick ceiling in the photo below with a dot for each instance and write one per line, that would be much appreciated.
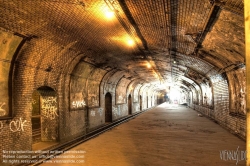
(195, 39)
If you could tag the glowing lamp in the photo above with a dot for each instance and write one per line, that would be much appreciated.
(109, 14)
(130, 42)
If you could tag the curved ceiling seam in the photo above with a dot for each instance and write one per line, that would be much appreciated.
(183, 85)
(113, 81)
(37, 68)
(143, 87)
(133, 84)
(106, 77)
(210, 70)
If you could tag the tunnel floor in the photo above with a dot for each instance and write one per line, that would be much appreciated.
(165, 135)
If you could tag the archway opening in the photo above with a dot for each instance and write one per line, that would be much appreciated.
(108, 107)
(140, 103)
(44, 118)
(129, 105)
(147, 101)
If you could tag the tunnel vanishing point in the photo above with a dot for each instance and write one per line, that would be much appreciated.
(69, 67)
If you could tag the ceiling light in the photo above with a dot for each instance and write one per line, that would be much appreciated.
(109, 14)
(149, 65)
(130, 42)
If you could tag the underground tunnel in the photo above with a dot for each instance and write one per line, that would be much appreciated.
(124, 82)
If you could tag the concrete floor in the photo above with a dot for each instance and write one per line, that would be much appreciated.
(164, 136)
(43, 145)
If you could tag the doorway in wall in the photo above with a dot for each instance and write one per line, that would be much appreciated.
(108, 107)
(44, 117)
(147, 101)
(36, 117)
(129, 105)
(140, 103)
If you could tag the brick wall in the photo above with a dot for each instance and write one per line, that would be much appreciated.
(221, 111)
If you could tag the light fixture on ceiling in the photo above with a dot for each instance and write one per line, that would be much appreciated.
(148, 65)
(130, 42)
(109, 14)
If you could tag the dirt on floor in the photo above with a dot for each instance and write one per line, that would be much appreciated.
(166, 135)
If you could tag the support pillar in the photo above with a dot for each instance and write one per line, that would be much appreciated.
(247, 48)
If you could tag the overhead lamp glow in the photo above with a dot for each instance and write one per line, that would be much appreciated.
(109, 14)
(149, 65)
(130, 42)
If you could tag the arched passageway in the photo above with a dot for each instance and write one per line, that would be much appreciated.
(129, 105)
(44, 117)
(108, 107)
(140, 103)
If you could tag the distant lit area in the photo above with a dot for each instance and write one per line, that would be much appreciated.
(176, 96)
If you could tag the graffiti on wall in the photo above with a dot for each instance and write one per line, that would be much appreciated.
(92, 113)
(78, 104)
(77, 101)
(100, 111)
(2, 110)
(49, 107)
(14, 125)
(17, 125)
